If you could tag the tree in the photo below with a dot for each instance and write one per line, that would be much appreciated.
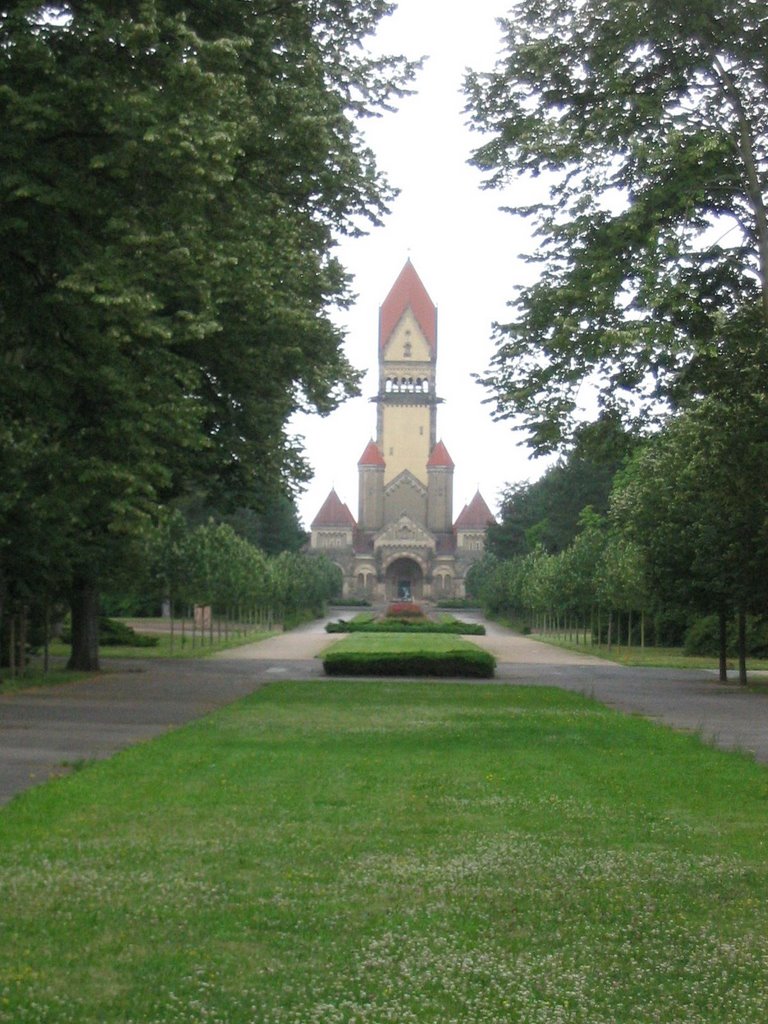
(548, 511)
(649, 125)
(695, 502)
(172, 178)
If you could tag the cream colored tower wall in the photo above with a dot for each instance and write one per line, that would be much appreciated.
(406, 427)
(405, 440)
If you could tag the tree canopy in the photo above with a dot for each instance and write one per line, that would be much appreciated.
(648, 125)
(172, 180)
(548, 511)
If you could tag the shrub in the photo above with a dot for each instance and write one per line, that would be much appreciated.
(703, 637)
(116, 634)
(452, 626)
(471, 663)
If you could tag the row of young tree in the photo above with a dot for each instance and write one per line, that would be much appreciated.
(208, 580)
(212, 566)
(685, 536)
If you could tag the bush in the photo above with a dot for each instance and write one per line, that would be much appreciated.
(703, 637)
(463, 664)
(452, 626)
(350, 602)
(116, 634)
(458, 602)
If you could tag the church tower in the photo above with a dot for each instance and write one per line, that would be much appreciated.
(407, 402)
(404, 544)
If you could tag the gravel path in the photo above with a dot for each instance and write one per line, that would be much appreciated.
(44, 730)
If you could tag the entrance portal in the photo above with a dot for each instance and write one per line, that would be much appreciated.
(404, 580)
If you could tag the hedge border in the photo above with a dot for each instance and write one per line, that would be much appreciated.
(472, 663)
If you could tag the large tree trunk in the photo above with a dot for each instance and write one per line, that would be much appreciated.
(85, 627)
(722, 620)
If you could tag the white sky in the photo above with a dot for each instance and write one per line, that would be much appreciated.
(466, 252)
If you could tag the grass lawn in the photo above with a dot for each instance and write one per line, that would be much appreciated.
(165, 649)
(649, 657)
(385, 643)
(384, 853)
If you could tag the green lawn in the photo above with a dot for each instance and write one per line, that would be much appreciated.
(384, 853)
(648, 657)
(385, 643)
(181, 647)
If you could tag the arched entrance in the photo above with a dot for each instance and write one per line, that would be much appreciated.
(404, 580)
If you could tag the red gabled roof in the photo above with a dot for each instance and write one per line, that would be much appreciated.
(475, 516)
(333, 513)
(440, 457)
(408, 291)
(372, 456)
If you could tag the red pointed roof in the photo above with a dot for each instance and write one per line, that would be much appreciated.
(440, 457)
(475, 516)
(408, 291)
(333, 513)
(372, 456)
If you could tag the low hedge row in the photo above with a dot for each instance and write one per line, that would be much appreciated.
(471, 663)
(399, 626)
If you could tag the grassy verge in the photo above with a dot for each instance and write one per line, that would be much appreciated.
(36, 677)
(177, 649)
(648, 657)
(386, 853)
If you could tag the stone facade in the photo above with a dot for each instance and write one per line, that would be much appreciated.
(404, 542)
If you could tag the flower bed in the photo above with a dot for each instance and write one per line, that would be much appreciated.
(388, 625)
(405, 610)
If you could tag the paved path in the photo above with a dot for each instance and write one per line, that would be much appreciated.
(45, 729)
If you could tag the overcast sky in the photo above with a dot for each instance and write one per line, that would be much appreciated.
(466, 252)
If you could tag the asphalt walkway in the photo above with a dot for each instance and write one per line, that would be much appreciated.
(44, 731)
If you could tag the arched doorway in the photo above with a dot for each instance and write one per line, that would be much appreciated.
(404, 580)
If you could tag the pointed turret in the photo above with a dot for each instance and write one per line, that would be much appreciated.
(333, 512)
(475, 516)
(470, 527)
(372, 455)
(370, 502)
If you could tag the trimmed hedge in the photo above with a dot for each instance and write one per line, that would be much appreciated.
(463, 664)
(400, 626)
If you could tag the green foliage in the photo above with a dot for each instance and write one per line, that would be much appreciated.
(460, 664)
(212, 565)
(172, 183)
(546, 513)
(695, 502)
(405, 626)
(115, 634)
(646, 123)
(703, 635)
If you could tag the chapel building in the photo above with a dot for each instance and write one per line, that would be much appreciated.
(405, 543)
